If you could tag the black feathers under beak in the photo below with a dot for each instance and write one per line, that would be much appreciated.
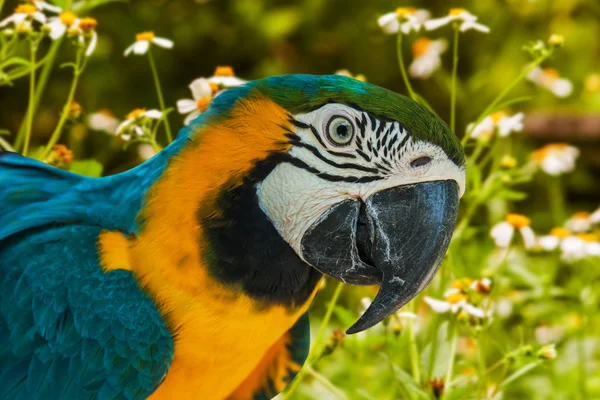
(397, 238)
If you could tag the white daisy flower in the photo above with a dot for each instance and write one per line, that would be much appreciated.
(454, 301)
(59, 25)
(550, 79)
(103, 120)
(42, 5)
(404, 19)
(552, 241)
(143, 41)
(135, 122)
(24, 12)
(225, 78)
(503, 232)
(499, 122)
(203, 92)
(427, 57)
(467, 21)
(575, 248)
(86, 29)
(345, 72)
(556, 158)
(595, 216)
(579, 222)
(547, 352)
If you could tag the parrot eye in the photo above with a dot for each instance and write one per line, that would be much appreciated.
(421, 161)
(340, 131)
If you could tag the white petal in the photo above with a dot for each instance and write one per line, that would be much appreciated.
(468, 25)
(129, 50)
(528, 237)
(57, 28)
(193, 115)
(439, 22)
(595, 216)
(42, 5)
(102, 122)
(227, 81)
(153, 114)
(406, 314)
(437, 305)
(592, 249)
(200, 88)
(39, 17)
(389, 23)
(141, 47)
(549, 242)
(474, 311)
(502, 234)
(562, 88)
(92, 45)
(422, 67)
(451, 291)
(535, 75)
(410, 25)
(162, 42)
(123, 126)
(146, 151)
(507, 125)
(138, 130)
(8, 20)
(185, 106)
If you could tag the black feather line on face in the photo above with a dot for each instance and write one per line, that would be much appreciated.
(321, 157)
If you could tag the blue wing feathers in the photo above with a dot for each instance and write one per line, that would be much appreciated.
(70, 331)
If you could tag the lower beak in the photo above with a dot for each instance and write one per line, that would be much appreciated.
(397, 238)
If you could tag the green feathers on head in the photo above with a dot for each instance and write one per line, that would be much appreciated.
(304, 93)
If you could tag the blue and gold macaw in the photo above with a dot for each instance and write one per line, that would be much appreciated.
(190, 276)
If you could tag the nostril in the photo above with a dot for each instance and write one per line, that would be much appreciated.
(421, 161)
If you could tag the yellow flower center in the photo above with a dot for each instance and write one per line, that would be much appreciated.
(462, 284)
(550, 73)
(588, 237)
(224, 71)
(87, 24)
(24, 27)
(518, 221)
(581, 215)
(497, 116)
(403, 12)
(25, 9)
(214, 88)
(67, 18)
(203, 103)
(540, 154)
(420, 46)
(456, 298)
(138, 112)
(560, 232)
(456, 11)
(144, 36)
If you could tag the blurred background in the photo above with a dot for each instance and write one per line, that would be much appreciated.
(260, 38)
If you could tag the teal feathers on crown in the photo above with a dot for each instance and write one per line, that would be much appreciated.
(303, 93)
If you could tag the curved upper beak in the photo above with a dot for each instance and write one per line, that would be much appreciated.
(396, 238)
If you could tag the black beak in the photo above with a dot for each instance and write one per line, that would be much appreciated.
(397, 238)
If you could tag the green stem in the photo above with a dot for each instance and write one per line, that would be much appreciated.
(556, 198)
(42, 80)
(411, 92)
(327, 383)
(451, 357)
(581, 362)
(77, 71)
(5, 145)
(520, 372)
(161, 100)
(30, 110)
(316, 349)
(454, 75)
(506, 91)
(1, 5)
(482, 368)
(413, 348)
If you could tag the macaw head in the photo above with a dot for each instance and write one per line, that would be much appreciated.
(357, 182)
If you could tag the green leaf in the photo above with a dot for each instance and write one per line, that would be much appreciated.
(91, 168)
(512, 195)
(458, 393)
(512, 102)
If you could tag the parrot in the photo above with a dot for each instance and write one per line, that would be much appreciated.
(190, 275)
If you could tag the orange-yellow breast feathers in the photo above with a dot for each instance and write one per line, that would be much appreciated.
(220, 334)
